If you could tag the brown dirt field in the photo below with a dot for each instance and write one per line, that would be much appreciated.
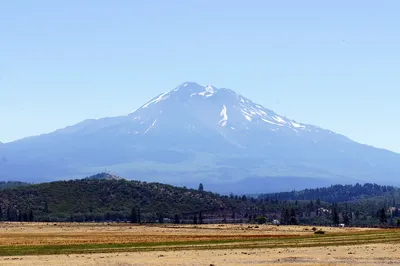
(69, 233)
(32, 234)
(372, 254)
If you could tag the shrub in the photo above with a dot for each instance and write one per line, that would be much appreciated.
(261, 220)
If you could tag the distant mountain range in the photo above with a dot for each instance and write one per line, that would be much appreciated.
(197, 133)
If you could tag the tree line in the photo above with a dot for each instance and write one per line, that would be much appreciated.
(100, 200)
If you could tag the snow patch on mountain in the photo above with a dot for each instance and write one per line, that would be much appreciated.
(248, 117)
(270, 122)
(209, 89)
(156, 100)
(279, 119)
(208, 92)
(152, 125)
(224, 115)
(296, 125)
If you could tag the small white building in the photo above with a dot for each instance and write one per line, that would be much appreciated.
(323, 210)
(276, 222)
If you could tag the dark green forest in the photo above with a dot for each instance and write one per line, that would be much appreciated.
(337, 193)
(106, 198)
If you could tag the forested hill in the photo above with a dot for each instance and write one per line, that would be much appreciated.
(109, 199)
(337, 193)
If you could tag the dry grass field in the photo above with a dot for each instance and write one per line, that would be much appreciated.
(373, 254)
(126, 245)
(70, 233)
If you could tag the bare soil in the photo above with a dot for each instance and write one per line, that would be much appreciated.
(78, 233)
(375, 254)
(377, 247)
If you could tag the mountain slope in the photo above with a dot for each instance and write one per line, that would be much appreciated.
(199, 133)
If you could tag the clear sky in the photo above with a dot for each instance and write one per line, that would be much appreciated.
(335, 64)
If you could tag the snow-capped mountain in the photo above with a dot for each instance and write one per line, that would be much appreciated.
(195, 133)
(194, 109)
(222, 107)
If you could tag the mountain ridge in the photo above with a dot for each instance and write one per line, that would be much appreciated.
(122, 117)
(204, 133)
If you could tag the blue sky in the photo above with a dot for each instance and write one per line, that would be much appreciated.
(335, 64)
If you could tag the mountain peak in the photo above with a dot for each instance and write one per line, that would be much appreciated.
(223, 110)
(183, 91)
(195, 88)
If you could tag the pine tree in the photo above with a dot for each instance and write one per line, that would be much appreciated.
(25, 217)
(200, 218)
(357, 214)
(46, 207)
(383, 217)
(346, 219)
(139, 216)
(134, 216)
(335, 215)
(293, 219)
(9, 214)
(31, 218)
(201, 187)
(286, 216)
(176, 220)
(160, 218)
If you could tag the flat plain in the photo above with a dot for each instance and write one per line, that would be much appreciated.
(243, 244)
